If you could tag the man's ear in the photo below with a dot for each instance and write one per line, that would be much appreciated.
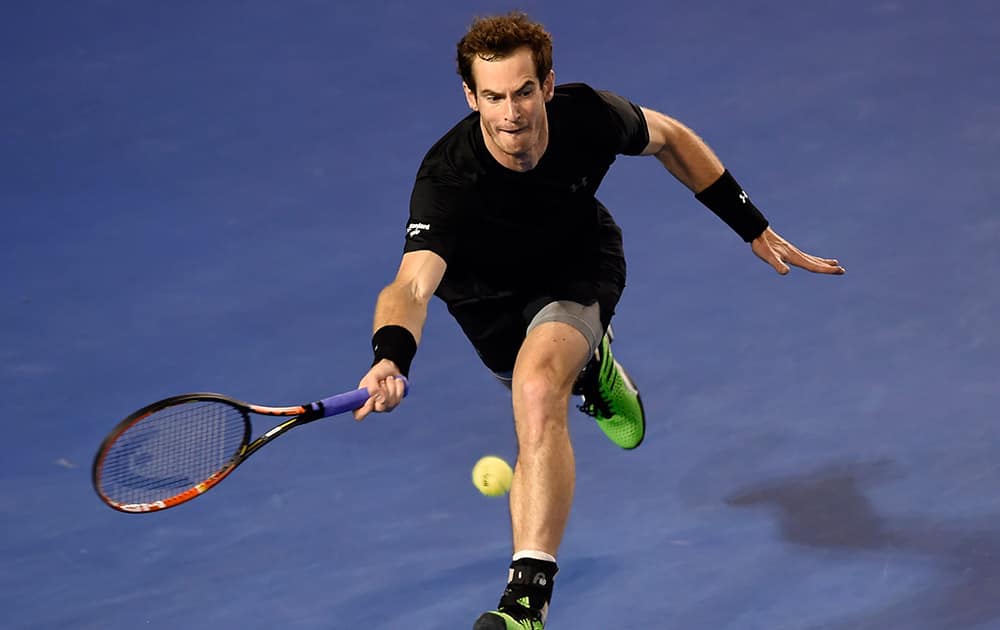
(549, 86)
(470, 97)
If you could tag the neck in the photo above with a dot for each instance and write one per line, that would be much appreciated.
(520, 162)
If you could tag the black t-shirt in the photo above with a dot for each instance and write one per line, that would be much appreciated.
(540, 232)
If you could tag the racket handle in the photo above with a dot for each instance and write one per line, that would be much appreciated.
(349, 401)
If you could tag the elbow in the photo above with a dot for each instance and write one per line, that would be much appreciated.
(421, 294)
(408, 292)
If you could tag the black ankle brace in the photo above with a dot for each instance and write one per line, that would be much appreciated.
(529, 578)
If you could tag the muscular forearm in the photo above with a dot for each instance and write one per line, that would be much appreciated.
(694, 164)
(690, 160)
(681, 151)
(403, 303)
(400, 304)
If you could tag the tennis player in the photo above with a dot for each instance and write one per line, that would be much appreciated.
(505, 228)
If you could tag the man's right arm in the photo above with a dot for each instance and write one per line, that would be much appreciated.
(402, 303)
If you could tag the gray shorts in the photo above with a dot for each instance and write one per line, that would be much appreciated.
(586, 319)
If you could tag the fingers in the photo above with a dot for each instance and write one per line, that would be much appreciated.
(815, 264)
(361, 412)
(391, 390)
(802, 260)
(776, 251)
(769, 254)
(776, 263)
(828, 268)
(384, 396)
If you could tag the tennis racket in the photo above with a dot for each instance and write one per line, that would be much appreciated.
(175, 450)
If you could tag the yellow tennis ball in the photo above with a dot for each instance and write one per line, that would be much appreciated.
(492, 476)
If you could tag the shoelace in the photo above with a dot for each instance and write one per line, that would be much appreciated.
(592, 409)
(517, 610)
(592, 405)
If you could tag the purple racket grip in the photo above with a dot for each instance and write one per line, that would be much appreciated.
(349, 401)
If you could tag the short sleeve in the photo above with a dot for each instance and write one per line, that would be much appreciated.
(432, 225)
(629, 123)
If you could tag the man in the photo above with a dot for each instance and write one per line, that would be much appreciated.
(505, 228)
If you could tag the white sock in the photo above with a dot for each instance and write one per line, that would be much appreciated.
(533, 553)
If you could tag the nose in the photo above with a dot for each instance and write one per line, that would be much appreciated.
(513, 112)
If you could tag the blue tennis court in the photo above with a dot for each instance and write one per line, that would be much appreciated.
(209, 196)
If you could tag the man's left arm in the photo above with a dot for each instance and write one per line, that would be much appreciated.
(693, 163)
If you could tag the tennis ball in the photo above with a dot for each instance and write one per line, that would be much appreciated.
(492, 476)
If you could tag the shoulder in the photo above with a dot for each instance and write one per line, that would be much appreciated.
(586, 104)
(452, 159)
(615, 119)
(575, 95)
(583, 96)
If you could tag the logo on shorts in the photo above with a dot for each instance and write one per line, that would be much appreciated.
(415, 229)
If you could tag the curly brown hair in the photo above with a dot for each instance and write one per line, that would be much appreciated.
(497, 36)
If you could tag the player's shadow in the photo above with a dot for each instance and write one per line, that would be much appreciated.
(828, 509)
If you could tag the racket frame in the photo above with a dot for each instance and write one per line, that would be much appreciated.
(301, 414)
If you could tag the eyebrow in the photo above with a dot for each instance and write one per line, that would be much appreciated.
(487, 92)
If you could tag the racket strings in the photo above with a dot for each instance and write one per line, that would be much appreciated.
(171, 451)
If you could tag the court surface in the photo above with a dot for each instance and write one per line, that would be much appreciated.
(209, 195)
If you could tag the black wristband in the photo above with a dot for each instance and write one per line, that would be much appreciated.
(395, 343)
(728, 201)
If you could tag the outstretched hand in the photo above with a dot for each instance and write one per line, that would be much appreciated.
(779, 253)
(386, 389)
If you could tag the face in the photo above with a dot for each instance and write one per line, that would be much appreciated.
(511, 106)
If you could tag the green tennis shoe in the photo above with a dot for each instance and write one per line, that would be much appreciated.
(518, 617)
(611, 398)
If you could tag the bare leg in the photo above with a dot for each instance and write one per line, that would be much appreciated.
(548, 363)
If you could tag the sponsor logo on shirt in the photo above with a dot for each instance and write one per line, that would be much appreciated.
(414, 229)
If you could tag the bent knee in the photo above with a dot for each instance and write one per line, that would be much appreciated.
(540, 405)
(540, 391)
